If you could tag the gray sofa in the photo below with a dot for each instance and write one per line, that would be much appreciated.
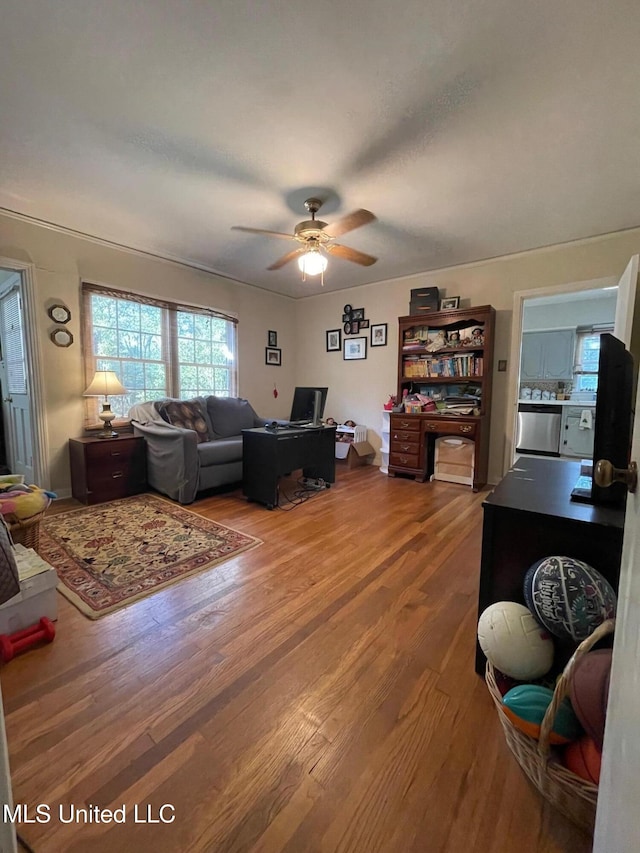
(193, 445)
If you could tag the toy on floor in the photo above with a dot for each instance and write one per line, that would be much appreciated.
(11, 644)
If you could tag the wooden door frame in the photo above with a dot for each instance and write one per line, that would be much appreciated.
(519, 298)
(40, 440)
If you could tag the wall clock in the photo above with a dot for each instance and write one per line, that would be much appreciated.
(61, 337)
(59, 313)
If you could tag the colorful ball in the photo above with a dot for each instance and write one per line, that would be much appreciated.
(589, 692)
(583, 758)
(526, 704)
(568, 597)
(514, 642)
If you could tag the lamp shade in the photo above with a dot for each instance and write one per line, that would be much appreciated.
(104, 383)
(312, 262)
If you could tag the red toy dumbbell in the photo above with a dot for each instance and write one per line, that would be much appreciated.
(10, 644)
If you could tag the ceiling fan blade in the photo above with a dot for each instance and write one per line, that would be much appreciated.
(350, 254)
(276, 265)
(262, 231)
(349, 223)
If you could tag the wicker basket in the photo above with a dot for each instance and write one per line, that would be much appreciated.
(573, 796)
(25, 531)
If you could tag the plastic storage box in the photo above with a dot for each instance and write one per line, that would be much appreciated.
(454, 459)
(37, 596)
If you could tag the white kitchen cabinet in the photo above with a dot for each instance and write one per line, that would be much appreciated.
(547, 356)
(573, 440)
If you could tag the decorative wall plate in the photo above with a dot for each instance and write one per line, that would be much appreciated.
(59, 313)
(61, 337)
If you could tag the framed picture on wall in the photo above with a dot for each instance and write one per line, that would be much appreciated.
(354, 348)
(272, 339)
(379, 335)
(334, 340)
(273, 356)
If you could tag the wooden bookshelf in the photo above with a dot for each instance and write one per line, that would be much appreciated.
(448, 354)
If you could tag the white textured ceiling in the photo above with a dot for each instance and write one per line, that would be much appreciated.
(471, 128)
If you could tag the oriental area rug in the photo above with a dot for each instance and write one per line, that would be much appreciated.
(112, 554)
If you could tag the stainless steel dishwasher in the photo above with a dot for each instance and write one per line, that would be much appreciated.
(539, 429)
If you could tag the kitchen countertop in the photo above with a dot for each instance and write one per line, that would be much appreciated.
(577, 403)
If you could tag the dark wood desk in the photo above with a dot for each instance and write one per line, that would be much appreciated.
(269, 454)
(529, 516)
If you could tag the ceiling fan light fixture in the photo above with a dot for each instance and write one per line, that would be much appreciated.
(312, 262)
(317, 237)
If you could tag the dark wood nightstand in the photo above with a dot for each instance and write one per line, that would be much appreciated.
(103, 469)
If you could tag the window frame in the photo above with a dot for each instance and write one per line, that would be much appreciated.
(169, 342)
(582, 333)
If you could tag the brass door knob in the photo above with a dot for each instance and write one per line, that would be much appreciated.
(605, 475)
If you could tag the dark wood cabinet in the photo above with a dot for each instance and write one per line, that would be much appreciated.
(103, 469)
(529, 516)
(447, 355)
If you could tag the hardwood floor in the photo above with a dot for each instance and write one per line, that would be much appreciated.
(314, 694)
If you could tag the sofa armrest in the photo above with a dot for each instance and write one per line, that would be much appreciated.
(173, 466)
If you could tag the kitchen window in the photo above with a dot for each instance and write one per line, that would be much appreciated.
(587, 356)
(157, 348)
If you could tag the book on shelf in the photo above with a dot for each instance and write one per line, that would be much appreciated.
(454, 366)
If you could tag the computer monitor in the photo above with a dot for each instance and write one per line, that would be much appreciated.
(308, 405)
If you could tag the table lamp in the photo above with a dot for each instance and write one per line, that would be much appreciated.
(105, 383)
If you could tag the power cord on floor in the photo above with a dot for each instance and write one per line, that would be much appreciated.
(307, 487)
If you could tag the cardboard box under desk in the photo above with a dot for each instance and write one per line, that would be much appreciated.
(454, 460)
(354, 453)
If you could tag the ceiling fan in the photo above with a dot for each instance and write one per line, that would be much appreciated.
(316, 237)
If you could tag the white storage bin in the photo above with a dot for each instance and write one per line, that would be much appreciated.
(37, 598)
(454, 458)
(342, 448)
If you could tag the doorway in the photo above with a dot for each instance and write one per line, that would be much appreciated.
(537, 309)
(23, 448)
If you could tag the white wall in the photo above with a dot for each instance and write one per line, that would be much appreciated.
(572, 313)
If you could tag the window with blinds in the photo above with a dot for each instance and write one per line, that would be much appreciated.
(588, 356)
(156, 348)
(13, 342)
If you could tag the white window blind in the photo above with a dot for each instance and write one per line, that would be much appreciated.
(13, 342)
(588, 356)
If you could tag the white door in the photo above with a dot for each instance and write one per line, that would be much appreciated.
(617, 822)
(15, 390)
(625, 302)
